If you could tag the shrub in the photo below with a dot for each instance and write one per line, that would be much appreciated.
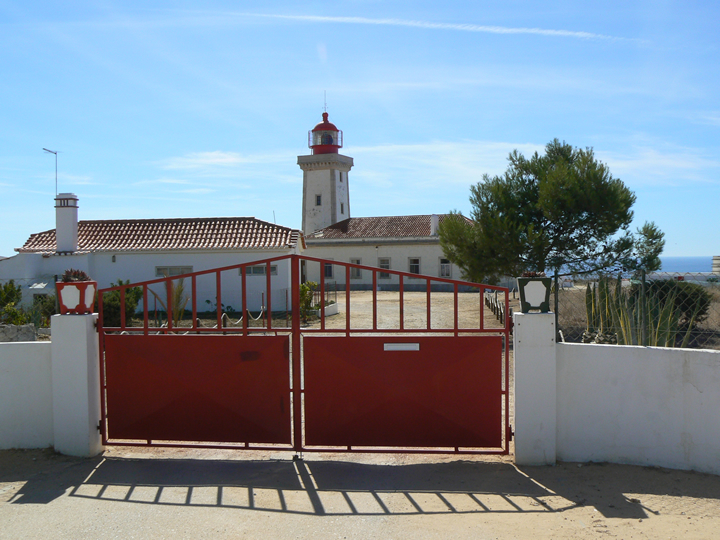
(111, 304)
(9, 314)
(10, 294)
(692, 301)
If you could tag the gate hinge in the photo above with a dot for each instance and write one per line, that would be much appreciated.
(96, 325)
(511, 433)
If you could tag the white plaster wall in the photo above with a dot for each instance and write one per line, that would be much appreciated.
(141, 267)
(26, 405)
(369, 252)
(138, 267)
(639, 405)
(534, 380)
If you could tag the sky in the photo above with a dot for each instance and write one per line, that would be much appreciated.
(197, 109)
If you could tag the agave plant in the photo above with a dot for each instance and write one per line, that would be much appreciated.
(71, 275)
(632, 319)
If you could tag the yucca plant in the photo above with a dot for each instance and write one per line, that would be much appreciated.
(178, 297)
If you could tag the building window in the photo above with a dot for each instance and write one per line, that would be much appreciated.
(414, 265)
(384, 263)
(259, 270)
(168, 271)
(355, 273)
(318, 200)
(342, 208)
(445, 268)
(328, 269)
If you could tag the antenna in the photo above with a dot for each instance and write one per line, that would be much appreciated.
(53, 152)
(274, 220)
(324, 100)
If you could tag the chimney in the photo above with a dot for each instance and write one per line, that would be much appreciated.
(66, 222)
(434, 222)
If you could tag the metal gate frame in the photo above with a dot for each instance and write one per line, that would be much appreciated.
(110, 336)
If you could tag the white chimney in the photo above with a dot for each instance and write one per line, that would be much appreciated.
(434, 223)
(66, 222)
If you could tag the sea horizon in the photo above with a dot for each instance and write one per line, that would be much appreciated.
(686, 264)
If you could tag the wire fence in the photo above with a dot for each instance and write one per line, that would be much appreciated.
(659, 309)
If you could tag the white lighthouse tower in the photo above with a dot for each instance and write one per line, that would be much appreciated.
(326, 194)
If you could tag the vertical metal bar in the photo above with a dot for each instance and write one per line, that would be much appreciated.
(193, 284)
(643, 308)
(169, 291)
(296, 360)
(322, 293)
(506, 322)
(508, 428)
(456, 323)
(402, 303)
(268, 281)
(243, 286)
(427, 302)
(482, 308)
(374, 300)
(218, 299)
(146, 315)
(347, 301)
(122, 308)
(103, 385)
(555, 308)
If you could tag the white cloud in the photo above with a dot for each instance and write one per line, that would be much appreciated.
(662, 164)
(445, 26)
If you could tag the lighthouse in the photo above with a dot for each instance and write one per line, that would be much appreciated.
(326, 193)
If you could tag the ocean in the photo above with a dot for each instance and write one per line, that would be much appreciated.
(686, 264)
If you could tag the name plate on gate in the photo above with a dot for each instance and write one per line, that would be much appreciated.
(401, 346)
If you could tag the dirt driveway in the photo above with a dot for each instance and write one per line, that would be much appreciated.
(220, 494)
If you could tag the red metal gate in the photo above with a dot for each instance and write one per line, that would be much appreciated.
(429, 374)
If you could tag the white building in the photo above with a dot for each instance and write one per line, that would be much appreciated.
(405, 243)
(144, 249)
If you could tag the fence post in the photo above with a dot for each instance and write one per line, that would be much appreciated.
(76, 385)
(535, 424)
(643, 307)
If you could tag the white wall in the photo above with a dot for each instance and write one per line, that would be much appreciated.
(139, 266)
(639, 405)
(26, 413)
(369, 252)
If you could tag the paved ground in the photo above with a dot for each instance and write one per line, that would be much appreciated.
(220, 494)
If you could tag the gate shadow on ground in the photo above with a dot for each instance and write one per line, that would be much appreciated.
(348, 488)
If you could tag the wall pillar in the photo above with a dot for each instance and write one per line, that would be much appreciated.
(535, 388)
(76, 385)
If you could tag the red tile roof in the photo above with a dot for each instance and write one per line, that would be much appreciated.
(377, 227)
(167, 234)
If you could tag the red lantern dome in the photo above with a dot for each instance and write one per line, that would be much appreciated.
(325, 138)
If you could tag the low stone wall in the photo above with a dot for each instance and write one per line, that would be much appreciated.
(10, 333)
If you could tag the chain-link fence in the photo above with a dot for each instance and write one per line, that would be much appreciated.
(659, 309)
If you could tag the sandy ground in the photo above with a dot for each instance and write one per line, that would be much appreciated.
(222, 494)
(194, 493)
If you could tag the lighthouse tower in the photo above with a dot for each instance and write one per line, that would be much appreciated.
(326, 194)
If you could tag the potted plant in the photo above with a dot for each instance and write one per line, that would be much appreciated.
(76, 292)
(534, 290)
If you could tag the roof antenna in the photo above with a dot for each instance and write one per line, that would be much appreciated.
(325, 101)
(274, 220)
(54, 152)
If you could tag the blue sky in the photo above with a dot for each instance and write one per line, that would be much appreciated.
(188, 109)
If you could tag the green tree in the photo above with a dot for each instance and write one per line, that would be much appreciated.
(562, 210)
